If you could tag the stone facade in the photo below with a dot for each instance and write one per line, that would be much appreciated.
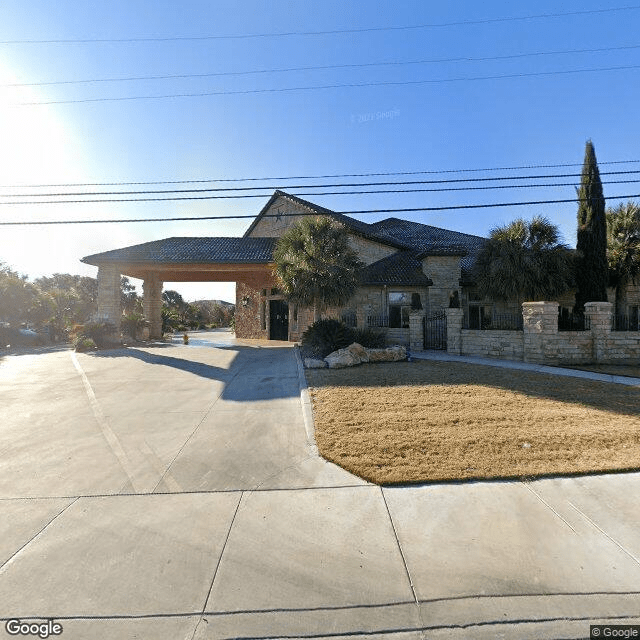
(109, 299)
(152, 305)
(445, 272)
(541, 342)
(252, 306)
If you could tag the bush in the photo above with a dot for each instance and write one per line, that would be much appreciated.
(132, 323)
(370, 338)
(98, 332)
(81, 343)
(325, 336)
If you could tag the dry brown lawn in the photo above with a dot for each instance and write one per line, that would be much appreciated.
(433, 421)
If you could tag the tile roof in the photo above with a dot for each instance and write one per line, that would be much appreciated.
(402, 268)
(434, 240)
(192, 250)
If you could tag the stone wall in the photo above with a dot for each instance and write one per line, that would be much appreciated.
(109, 300)
(541, 342)
(445, 273)
(369, 251)
(252, 310)
(493, 344)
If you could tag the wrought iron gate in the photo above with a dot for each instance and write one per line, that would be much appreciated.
(435, 331)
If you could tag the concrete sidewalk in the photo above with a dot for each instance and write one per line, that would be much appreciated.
(173, 492)
(526, 366)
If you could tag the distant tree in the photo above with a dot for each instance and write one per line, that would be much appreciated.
(592, 272)
(315, 265)
(173, 299)
(623, 249)
(18, 297)
(130, 300)
(73, 299)
(524, 261)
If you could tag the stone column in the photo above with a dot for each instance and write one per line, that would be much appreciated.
(599, 315)
(416, 330)
(152, 304)
(540, 323)
(109, 301)
(454, 330)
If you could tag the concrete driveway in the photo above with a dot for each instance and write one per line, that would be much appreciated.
(174, 492)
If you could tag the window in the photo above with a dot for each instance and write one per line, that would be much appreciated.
(399, 308)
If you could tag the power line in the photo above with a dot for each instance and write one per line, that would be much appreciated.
(317, 177)
(325, 186)
(243, 36)
(348, 85)
(362, 65)
(345, 213)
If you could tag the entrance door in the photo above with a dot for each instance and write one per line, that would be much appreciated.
(278, 320)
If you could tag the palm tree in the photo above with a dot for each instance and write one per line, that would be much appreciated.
(315, 265)
(524, 261)
(623, 249)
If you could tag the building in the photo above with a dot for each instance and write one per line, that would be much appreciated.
(408, 266)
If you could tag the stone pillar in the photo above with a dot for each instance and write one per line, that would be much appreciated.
(540, 323)
(454, 330)
(109, 301)
(599, 315)
(152, 304)
(361, 315)
(416, 330)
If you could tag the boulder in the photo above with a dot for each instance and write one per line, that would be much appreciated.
(342, 358)
(359, 352)
(314, 363)
(390, 354)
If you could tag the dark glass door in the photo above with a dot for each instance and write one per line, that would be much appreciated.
(278, 320)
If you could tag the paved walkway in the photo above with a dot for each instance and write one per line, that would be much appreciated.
(173, 492)
(526, 366)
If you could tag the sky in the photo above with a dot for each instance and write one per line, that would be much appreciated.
(448, 86)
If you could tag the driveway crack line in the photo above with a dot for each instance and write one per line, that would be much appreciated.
(28, 542)
(215, 573)
(604, 533)
(107, 432)
(404, 560)
(204, 417)
(546, 504)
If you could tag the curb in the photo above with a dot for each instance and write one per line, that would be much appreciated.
(305, 401)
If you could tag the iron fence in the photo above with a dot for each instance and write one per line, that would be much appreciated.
(496, 322)
(378, 320)
(435, 331)
(570, 321)
(626, 323)
(350, 319)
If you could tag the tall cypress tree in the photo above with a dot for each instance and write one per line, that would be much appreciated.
(591, 272)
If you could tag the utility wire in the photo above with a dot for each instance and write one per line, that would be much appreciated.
(348, 85)
(318, 177)
(436, 25)
(286, 215)
(330, 186)
(180, 76)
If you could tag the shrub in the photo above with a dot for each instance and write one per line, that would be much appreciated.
(98, 332)
(132, 323)
(370, 338)
(82, 343)
(325, 336)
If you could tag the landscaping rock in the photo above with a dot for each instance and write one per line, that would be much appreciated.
(314, 363)
(355, 354)
(342, 358)
(390, 354)
(359, 352)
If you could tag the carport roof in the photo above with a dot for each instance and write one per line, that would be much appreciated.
(191, 251)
